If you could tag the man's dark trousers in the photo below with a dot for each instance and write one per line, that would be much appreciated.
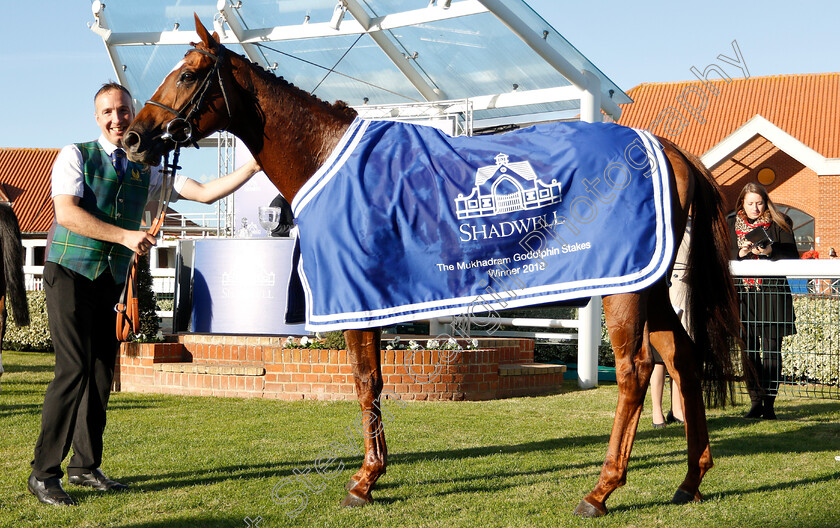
(82, 325)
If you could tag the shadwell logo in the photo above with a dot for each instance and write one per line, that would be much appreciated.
(506, 187)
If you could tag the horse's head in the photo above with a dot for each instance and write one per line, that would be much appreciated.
(191, 103)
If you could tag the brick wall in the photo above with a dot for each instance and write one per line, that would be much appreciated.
(247, 366)
(795, 186)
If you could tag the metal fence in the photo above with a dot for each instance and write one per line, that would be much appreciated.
(790, 311)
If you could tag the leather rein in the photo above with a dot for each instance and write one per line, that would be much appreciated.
(127, 308)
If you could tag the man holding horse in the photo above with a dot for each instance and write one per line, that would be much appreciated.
(99, 197)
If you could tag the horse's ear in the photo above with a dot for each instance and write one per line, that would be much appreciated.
(211, 41)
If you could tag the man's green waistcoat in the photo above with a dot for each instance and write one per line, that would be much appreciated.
(107, 199)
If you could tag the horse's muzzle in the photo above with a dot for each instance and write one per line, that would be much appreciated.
(131, 141)
(133, 144)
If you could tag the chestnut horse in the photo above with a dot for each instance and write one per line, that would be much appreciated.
(11, 274)
(291, 133)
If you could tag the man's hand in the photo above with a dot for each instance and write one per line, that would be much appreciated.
(139, 242)
(69, 214)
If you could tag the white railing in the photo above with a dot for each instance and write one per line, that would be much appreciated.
(792, 269)
(163, 284)
(194, 224)
(587, 333)
(809, 359)
(33, 276)
(163, 279)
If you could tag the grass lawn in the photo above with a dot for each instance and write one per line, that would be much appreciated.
(524, 462)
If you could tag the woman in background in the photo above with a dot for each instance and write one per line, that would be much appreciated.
(766, 303)
(677, 291)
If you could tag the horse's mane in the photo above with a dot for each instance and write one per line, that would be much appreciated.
(339, 107)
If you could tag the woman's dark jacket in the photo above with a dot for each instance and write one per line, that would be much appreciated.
(767, 301)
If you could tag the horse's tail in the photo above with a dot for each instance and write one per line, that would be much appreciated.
(12, 265)
(712, 302)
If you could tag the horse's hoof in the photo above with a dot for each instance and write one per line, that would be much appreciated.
(354, 501)
(350, 484)
(684, 497)
(588, 511)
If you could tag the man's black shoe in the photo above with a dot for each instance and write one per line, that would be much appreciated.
(97, 480)
(49, 491)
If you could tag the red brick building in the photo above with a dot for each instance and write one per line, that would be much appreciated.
(782, 131)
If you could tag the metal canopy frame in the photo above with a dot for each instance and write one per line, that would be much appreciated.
(588, 85)
(517, 69)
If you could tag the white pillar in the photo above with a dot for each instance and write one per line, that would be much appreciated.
(436, 328)
(590, 100)
(153, 258)
(589, 317)
(589, 337)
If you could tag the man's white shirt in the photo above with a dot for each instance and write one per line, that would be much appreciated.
(69, 178)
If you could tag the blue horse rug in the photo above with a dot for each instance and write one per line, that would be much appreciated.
(404, 222)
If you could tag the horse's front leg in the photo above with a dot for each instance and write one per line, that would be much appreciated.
(363, 347)
(633, 367)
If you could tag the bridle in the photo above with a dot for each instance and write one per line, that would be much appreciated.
(179, 129)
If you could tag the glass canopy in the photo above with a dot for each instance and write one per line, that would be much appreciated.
(500, 54)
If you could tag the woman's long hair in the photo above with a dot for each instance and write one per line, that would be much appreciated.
(776, 215)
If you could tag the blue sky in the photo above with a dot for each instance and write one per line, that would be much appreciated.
(51, 63)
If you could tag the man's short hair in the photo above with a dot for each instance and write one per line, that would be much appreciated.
(111, 85)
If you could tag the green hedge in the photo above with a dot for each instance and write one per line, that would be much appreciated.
(36, 336)
(812, 355)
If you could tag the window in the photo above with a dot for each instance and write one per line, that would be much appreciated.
(803, 227)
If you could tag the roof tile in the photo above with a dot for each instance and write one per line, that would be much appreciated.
(805, 106)
(25, 180)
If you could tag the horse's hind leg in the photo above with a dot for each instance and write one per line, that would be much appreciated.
(363, 347)
(677, 350)
(633, 367)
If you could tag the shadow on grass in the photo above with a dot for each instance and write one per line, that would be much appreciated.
(742, 492)
(815, 420)
(192, 522)
(746, 444)
(162, 481)
(115, 404)
(809, 409)
(588, 465)
(15, 362)
(774, 487)
(29, 409)
(17, 368)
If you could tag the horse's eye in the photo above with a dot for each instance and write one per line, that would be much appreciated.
(187, 77)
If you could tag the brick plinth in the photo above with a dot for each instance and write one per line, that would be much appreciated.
(255, 366)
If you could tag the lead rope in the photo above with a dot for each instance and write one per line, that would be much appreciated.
(128, 307)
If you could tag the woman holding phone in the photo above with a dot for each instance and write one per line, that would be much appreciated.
(760, 231)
